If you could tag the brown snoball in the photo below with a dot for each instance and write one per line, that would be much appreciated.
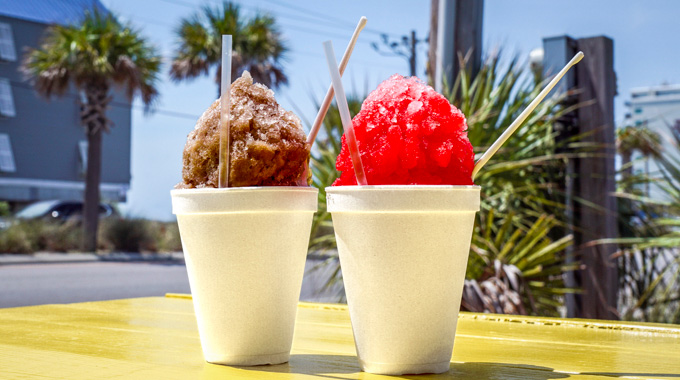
(268, 144)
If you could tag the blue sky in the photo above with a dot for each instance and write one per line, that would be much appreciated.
(646, 52)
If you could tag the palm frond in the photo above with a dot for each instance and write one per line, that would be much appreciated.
(258, 45)
(99, 50)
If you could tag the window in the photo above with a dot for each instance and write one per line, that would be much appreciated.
(6, 155)
(82, 154)
(667, 92)
(638, 110)
(7, 52)
(6, 100)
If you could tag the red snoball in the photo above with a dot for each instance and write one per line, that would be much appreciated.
(408, 134)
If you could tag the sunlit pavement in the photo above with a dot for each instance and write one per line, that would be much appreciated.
(87, 278)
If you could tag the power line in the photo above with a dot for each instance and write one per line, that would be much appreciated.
(169, 58)
(312, 31)
(346, 25)
(255, 9)
(26, 86)
(324, 17)
(352, 61)
(406, 48)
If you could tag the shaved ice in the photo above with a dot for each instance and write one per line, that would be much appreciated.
(408, 134)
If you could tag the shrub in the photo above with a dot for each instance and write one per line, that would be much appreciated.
(5, 209)
(15, 239)
(167, 237)
(128, 235)
(27, 236)
(59, 237)
(116, 234)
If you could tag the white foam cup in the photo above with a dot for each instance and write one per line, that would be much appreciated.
(245, 251)
(403, 252)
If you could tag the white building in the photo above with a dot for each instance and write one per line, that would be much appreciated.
(657, 108)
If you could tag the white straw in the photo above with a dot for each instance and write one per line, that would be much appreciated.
(343, 108)
(225, 106)
(520, 119)
(329, 94)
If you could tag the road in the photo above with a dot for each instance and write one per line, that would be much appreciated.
(36, 284)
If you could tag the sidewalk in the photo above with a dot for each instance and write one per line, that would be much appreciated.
(56, 258)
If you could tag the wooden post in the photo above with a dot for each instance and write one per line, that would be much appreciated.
(459, 31)
(596, 179)
(591, 180)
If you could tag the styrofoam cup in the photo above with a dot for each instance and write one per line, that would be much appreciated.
(403, 252)
(245, 251)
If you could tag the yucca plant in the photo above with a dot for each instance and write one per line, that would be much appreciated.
(322, 164)
(516, 268)
(526, 174)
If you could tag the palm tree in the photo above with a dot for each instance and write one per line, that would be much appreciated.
(640, 139)
(257, 46)
(92, 56)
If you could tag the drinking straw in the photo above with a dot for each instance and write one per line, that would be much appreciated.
(225, 106)
(329, 94)
(520, 119)
(343, 108)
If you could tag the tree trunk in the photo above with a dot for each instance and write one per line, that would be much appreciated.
(93, 117)
(626, 156)
(91, 200)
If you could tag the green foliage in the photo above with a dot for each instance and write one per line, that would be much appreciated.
(525, 175)
(128, 235)
(28, 236)
(137, 235)
(17, 239)
(99, 50)
(4, 209)
(258, 46)
(525, 255)
(167, 237)
(322, 164)
(117, 234)
(640, 139)
(649, 261)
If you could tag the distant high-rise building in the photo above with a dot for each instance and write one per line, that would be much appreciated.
(657, 108)
(42, 144)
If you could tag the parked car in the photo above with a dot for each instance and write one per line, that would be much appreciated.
(57, 210)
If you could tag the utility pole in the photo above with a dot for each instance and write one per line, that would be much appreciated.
(432, 41)
(459, 33)
(405, 48)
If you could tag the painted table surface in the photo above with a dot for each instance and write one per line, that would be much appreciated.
(156, 338)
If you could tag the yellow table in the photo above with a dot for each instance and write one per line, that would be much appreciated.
(156, 338)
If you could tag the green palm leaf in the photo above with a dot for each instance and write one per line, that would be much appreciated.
(258, 46)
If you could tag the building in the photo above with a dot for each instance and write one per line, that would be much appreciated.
(657, 108)
(42, 144)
